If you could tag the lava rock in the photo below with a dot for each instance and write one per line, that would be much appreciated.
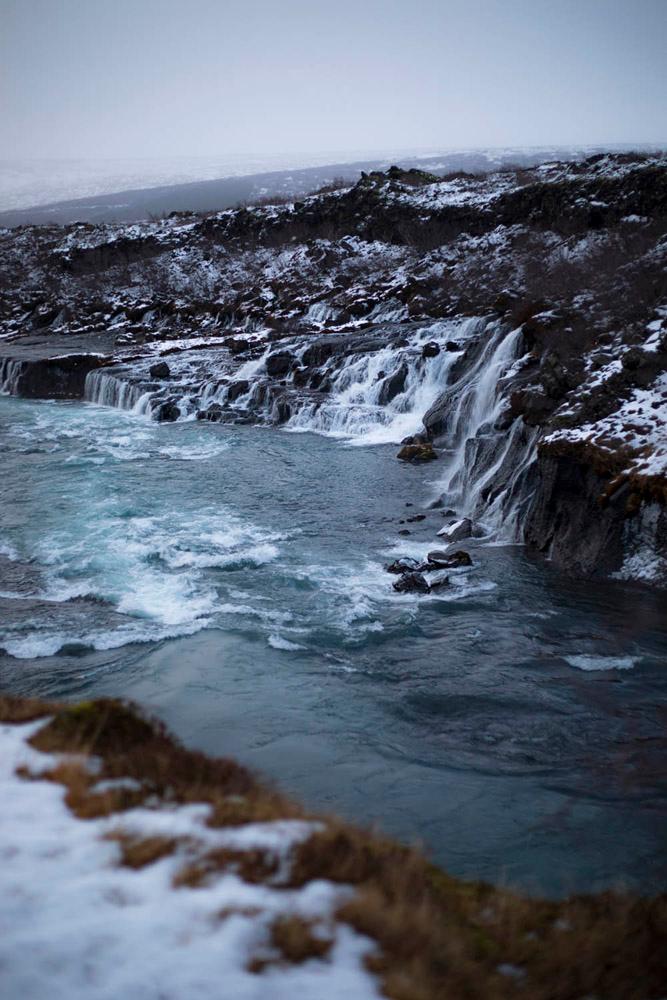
(457, 531)
(430, 350)
(168, 412)
(412, 583)
(237, 389)
(214, 413)
(404, 565)
(417, 452)
(439, 559)
(160, 370)
(279, 364)
(393, 385)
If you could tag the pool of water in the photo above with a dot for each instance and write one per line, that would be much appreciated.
(232, 580)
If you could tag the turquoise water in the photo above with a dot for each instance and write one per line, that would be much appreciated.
(232, 579)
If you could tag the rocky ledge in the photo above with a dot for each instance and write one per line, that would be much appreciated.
(134, 865)
(508, 328)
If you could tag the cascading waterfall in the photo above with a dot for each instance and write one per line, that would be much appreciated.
(10, 373)
(488, 461)
(381, 397)
(108, 390)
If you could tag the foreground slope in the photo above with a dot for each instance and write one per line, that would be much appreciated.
(134, 865)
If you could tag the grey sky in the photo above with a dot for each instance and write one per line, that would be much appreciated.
(112, 78)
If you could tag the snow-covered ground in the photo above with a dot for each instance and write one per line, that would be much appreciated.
(76, 924)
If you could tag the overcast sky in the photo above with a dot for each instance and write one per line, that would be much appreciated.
(122, 78)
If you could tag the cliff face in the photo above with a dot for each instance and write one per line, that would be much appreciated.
(517, 321)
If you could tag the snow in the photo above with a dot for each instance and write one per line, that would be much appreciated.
(76, 925)
(638, 426)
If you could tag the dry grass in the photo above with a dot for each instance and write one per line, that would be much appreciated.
(436, 936)
(293, 940)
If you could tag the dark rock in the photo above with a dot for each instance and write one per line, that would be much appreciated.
(453, 345)
(62, 377)
(213, 413)
(160, 370)
(281, 411)
(416, 517)
(237, 389)
(439, 559)
(393, 385)
(279, 364)
(404, 565)
(411, 583)
(237, 345)
(632, 359)
(417, 453)
(457, 531)
(439, 582)
(404, 531)
(430, 350)
(167, 412)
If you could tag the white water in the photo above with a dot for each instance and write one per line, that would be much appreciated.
(10, 372)
(354, 408)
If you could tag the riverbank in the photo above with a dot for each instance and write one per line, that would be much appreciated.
(202, 875)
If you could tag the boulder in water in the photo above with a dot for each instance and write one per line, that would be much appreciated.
(160, 370)
(404, 565)
(431, 349)
(417, 452)
(439, 582)
(453, 345)
(439, 559)
(457, 531)
(167, 411)
(214, 413)
(411, 583)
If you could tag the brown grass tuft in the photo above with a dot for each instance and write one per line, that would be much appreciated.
(254, 866)
(137, 852)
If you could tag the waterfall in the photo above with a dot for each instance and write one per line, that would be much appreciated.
(488, 461)
(10, 373)
(380, 397)
(108, 390)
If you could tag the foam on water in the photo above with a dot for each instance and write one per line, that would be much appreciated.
(603, 662)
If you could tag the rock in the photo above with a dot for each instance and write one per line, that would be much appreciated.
(412, 583)
(453, 345)
(456, 531)
(416, 517)
(160, 370)
(439, 559)
(281, 411)
(237, 389)
(440, 581)
(632, 359)
(279, 364)
(430, 350)
(237, 345)
(404, 531)
(167, 412)
(417, 453)
(214, 413)
(393, 385)
(404, 565)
